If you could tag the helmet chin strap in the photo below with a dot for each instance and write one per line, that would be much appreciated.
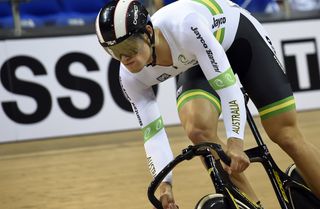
(153, 48)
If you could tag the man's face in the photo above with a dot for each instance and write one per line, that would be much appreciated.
(135, 63)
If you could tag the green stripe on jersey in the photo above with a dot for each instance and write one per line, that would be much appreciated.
(219, 34)
(215, 9)
(223, 80)
(212, 5)
(152, 129)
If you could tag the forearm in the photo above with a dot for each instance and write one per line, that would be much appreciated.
(159, 154)
(144, 105)
(233, 111)
(232, 103)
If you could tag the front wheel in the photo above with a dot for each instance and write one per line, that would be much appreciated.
(298, 196)
(216, 201)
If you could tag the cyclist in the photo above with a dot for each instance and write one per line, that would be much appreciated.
(204, 43)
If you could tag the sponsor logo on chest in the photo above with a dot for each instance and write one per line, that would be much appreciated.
(186, 61)
(163, 77)
(217, 22)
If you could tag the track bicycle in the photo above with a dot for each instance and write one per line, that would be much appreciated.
(289, 187)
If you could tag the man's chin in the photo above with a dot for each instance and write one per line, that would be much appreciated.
(135, 69)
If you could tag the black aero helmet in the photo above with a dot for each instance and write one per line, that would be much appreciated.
(118, 22)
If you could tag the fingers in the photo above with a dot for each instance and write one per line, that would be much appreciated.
(226, 168)
(173, 206)
(238, 164)
(164, 199)
(239, 160)
(166, 196)
(167, 202)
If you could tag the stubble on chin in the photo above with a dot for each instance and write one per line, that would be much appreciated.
(135, 69)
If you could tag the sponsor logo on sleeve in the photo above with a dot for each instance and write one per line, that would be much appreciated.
(151, 166)
(219, 83)
(223, 80)
(208, 50)
(124, 90)
(136, 111)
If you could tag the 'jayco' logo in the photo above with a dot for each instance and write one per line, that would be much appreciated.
(217, 22)
(208, 50)
(135, 14)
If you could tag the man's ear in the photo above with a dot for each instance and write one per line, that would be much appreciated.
(149, 29)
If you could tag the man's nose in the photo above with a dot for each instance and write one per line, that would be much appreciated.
(125, 58)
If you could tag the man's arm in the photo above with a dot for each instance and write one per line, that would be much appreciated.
(216, 67)
(144, 105)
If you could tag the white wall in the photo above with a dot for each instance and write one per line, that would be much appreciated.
(98, 111)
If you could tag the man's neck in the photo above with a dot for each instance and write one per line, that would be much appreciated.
(163, 51)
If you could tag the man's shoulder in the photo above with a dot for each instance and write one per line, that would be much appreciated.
(172, 14)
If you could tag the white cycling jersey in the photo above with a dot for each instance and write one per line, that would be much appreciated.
(198, 33)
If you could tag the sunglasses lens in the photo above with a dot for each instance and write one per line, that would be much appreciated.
(128, 48)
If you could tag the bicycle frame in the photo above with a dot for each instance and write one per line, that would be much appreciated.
(280, 181)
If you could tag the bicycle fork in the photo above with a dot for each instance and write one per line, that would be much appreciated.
(223, 184)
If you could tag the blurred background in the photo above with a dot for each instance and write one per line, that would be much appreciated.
(68, 137)
(52, 68)
(31, 14)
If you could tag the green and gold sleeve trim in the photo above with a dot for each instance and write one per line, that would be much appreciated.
(219, 34)
(215, 9)
(278, 107)
(152, 129)
(223, 80)
(212, 5)
(198, 93)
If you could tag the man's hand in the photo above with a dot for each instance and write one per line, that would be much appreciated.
(166, 196)
(239, 160)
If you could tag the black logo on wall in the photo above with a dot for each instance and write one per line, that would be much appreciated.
(42, 95)
(302, 64)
